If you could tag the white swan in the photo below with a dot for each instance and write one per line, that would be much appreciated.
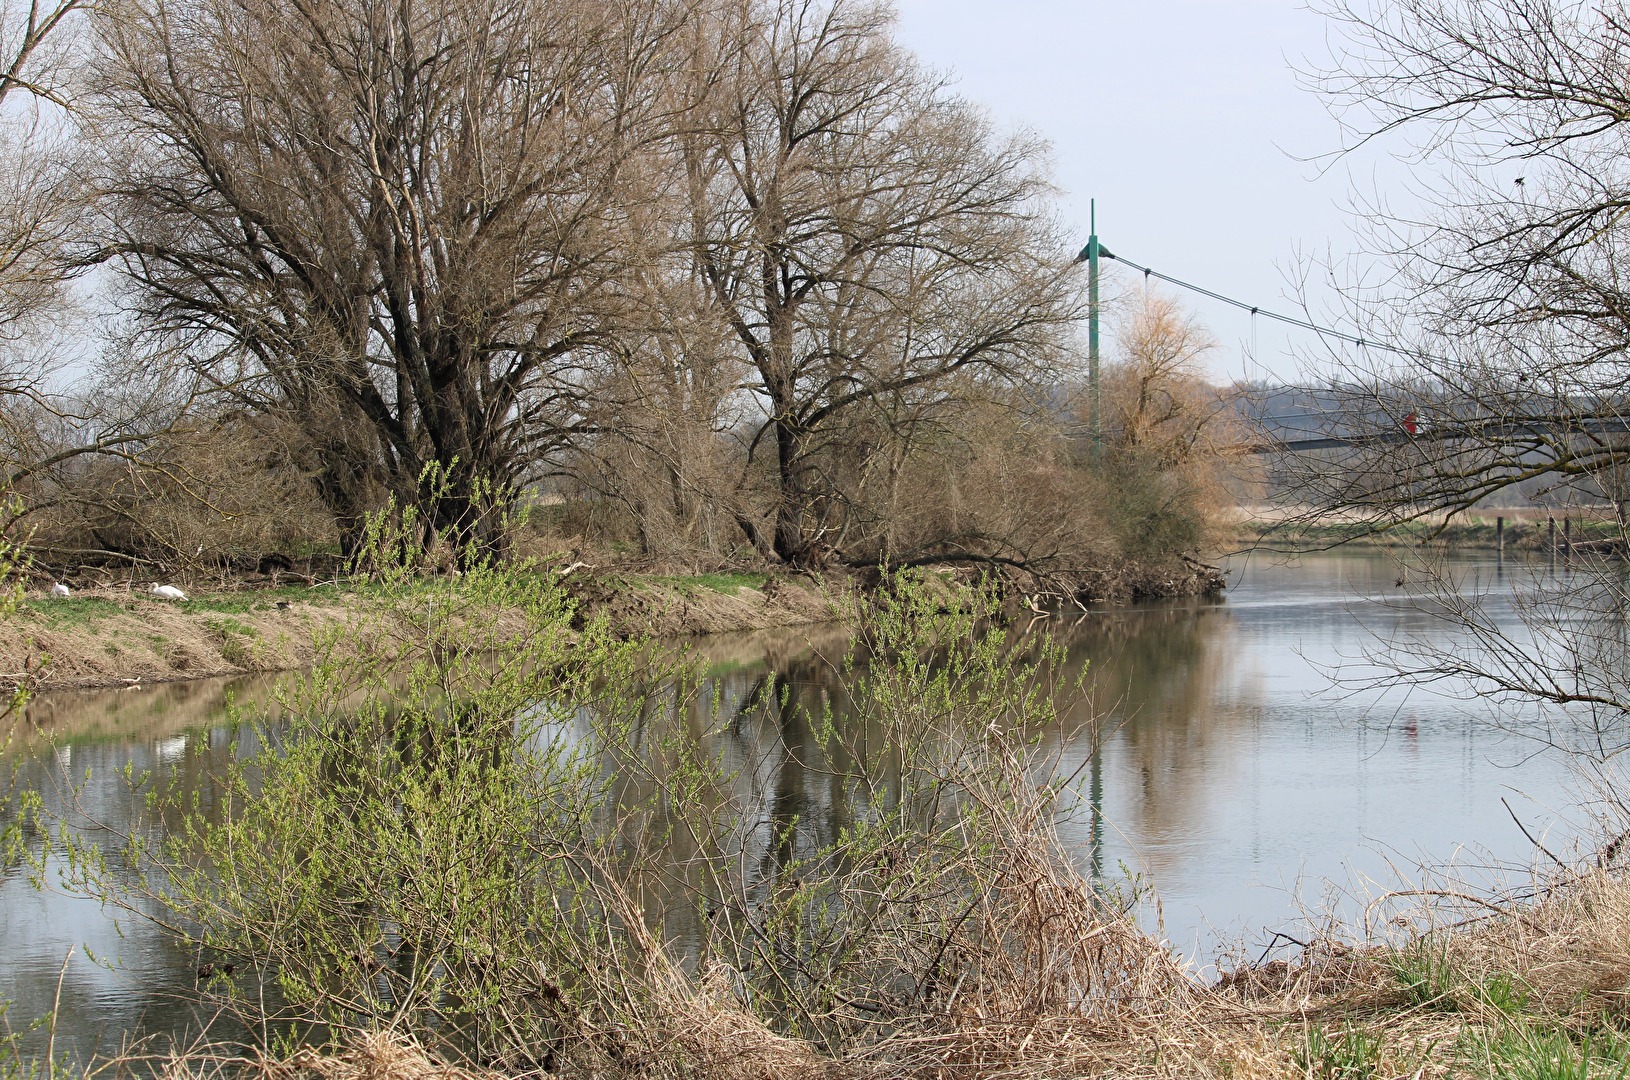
(167, 592)
(61, 590)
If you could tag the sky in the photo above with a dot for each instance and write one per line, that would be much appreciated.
(1186, 122)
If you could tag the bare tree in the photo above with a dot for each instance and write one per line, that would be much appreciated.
(31, 47)
(661, 457)
(399, 225)
(1497, 364)
(39, 194)
(42, 219)
(1499, 360)
(865, 238)
(1158, 403)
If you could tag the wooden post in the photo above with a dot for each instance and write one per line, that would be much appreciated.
(1499, 537)
(1550, 528)
(1567, 536)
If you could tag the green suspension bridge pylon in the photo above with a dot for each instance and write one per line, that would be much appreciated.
(1089, 255)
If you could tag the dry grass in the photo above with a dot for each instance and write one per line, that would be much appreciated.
(956, 939)
(1534, 987)
(117, 636)
(367, 1056)
(1067, 992)
(1568, 952)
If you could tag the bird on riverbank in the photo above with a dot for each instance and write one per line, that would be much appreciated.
(167, 592)
(61, 591)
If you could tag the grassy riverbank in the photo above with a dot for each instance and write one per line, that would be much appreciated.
(119, 636)
(494, 901)
(1526, 530)
(110, 636)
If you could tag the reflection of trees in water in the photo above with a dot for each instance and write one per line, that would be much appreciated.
(139, 712)
(1156, 670)
(1159, 675)
(151, 978)
(785, 797)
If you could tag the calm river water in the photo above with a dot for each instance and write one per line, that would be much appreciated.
(1234, 777)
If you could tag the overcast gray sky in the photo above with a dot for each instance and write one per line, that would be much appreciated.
(1184, 119)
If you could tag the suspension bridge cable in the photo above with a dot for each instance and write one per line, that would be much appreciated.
(1290, 320)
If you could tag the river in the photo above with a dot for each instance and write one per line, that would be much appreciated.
(1233, 776)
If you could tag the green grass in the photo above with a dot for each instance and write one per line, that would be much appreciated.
(74, 612)
(730, 582)
(718, 582)
(1507, 993)
(84, 612)
(251, 600)
(237, 640)
(240, 603)
(1527, 1052)
(1352, 1054)
(228, 627)
(1426, 976)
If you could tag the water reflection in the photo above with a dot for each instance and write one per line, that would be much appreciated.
(124, 976)
(1154, 673)
(1248, 778)
(1226, 770)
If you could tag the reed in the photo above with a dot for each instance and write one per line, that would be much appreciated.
(524, 847)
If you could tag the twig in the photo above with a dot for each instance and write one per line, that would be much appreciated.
(56, 1004)
(1273, 943)
(1564, 866)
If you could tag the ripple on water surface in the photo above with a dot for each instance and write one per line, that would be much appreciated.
(1231, 771)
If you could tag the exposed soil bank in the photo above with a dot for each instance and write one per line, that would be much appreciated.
(111, 637)
(114, 636)
(1136, 581)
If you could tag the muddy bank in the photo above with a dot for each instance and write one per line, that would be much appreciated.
(110, 637)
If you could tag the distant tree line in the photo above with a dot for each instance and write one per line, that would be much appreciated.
(716, 279)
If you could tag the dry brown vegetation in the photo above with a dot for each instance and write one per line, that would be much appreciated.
(1532, 987)
(117, 635)
(668, 914)
(735, 283)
